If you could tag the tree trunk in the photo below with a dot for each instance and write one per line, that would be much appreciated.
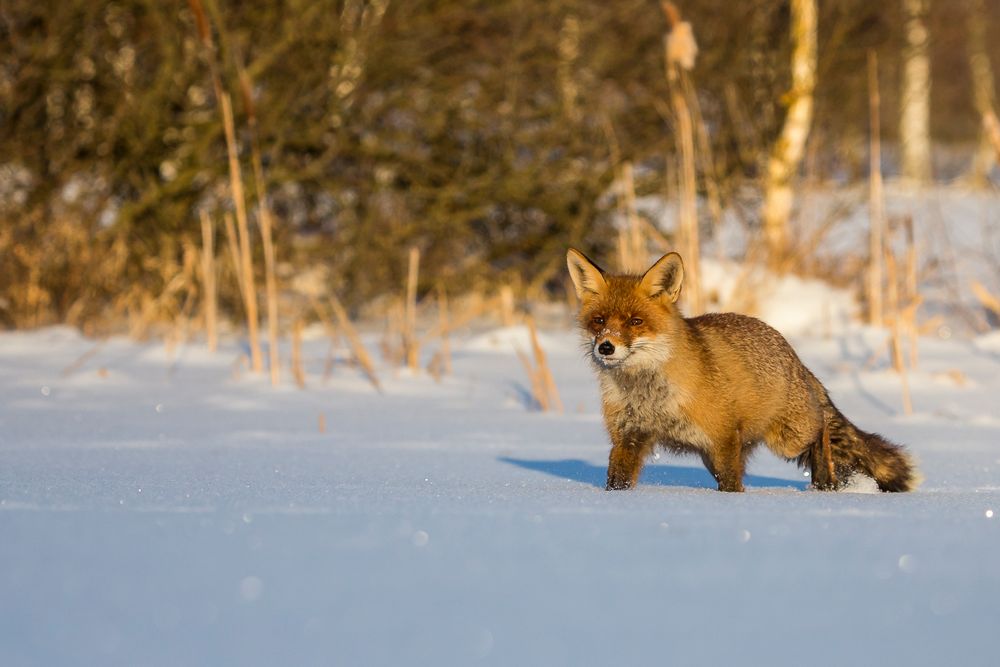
(983, 89)
(876, 203)
(915, 98)
(786, 156)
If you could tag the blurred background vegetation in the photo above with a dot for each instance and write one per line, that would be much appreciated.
(487, 133)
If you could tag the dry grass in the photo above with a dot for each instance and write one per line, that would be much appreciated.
(243, 236)
(353, 339)
(208, 275)
(543, 385)
(679, 59)
(266, 228)
(988, 300)
(896, 329)
(297, 372)
(411, 344)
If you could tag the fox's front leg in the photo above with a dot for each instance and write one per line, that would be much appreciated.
(727, 463)
(628, 453)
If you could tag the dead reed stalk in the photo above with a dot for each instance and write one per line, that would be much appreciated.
(544, 372)
(353, 339)
(83, 358)
(242, 227)
(630, 241)
(235, 182)
(876, 200)
(537, 386)
(911, 290)
(543, 386)
(411, 346)
(233, 244)
(442, 298)
(392, 344)
(205, 37)
(631, 244)
(211, 298)
(271, 292)
(331, 332)
(189, 271)
(266, 227)
(704, 153)
(680, 51)
(297, 373)
(507, 310)
(992, 128)
(988, 300)
(475, 309)
(896, 337)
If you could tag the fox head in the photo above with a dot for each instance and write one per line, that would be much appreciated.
(627, 320)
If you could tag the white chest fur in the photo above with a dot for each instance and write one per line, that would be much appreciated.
(651, 403)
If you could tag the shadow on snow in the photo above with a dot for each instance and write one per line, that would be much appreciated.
(655, 475)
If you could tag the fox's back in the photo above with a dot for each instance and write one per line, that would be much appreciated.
(752, 378)
(740, 343)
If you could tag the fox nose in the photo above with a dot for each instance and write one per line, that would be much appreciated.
(606, 348)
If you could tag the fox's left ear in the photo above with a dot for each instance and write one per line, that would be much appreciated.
(664, 277)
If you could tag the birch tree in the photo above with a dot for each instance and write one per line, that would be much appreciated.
(915, 96)
(983, 91)
(786, 155)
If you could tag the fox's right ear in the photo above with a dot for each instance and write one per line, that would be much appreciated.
(587, 276)
(665, 277)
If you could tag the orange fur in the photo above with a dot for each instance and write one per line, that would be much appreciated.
(715, 385)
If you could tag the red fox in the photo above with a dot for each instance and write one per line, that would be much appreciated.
(715, 385)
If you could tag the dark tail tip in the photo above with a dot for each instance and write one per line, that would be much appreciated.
(892, 468)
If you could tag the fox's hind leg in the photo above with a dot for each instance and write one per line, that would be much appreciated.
(821, 468)
(628, 454)
(818, 457)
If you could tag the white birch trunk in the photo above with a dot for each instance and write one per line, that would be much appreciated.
(786, 156)
(915, 97)
(983, 89)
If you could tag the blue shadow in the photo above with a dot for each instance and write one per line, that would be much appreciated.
(655, 475)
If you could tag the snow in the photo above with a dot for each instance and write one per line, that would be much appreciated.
(794, 306)
(505, 339)
(165, 507)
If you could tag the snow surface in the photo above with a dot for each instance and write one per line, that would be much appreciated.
(167, 508)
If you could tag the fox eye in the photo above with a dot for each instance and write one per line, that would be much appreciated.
(635, 321)
(598, 319)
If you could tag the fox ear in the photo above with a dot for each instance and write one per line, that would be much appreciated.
(587, 276)
(664, 277)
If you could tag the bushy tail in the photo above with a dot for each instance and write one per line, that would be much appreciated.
(844, 449)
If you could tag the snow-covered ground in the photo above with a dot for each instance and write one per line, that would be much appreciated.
(175, 510)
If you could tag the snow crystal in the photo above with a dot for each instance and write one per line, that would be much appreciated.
(907, 563)
(251, 588)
